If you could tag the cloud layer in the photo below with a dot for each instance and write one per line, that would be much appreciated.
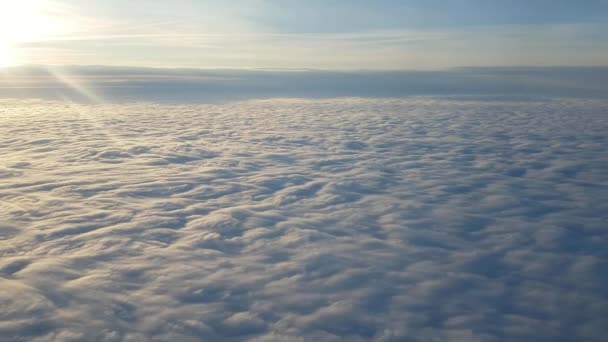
(273, 220)
(126, 84)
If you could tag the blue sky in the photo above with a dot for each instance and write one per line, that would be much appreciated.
(358, 15)
(294, 16)
(386, 35)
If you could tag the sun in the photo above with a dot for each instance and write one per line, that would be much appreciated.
(27, 21)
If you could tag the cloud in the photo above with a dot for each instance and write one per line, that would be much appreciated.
(353, 16)
(285, 219)
(343, 35)
(124, 84)
(412, 49)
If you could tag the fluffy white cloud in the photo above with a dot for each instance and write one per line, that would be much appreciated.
(351, 219)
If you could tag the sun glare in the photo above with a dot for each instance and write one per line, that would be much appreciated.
(6, 57)
(27, 21)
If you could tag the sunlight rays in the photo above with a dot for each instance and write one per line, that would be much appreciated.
(74, 84)
(91, 114)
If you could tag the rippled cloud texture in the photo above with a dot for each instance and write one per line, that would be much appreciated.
(289, 219)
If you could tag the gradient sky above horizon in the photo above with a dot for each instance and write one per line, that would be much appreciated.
(354, 34)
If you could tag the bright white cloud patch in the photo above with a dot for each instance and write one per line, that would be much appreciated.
(322, 220)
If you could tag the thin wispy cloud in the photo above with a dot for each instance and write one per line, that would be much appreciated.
(266, 34)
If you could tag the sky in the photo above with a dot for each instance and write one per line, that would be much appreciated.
(288, 34)
(265, 170)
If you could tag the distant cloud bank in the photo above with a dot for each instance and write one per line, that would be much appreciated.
(123, 84)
